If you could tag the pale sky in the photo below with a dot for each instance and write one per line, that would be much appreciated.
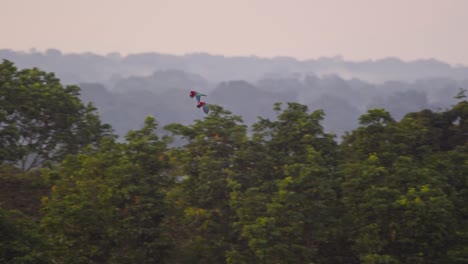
(304, 29)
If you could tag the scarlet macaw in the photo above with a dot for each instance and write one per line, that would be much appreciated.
(196, 94)
(206, 109)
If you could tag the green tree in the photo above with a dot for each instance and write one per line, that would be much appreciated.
(107, 203)
(41, 121)
(203, 224)
(404, 187)
(20, 241)
(399, 212)
(453, 164)
(283, 189)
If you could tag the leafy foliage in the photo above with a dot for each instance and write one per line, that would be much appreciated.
(20, 241)
(40, 120)
(204, 224)
(107, 203)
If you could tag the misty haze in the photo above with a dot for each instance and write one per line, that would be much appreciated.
(127, 88)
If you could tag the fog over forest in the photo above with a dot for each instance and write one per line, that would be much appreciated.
(127, 88)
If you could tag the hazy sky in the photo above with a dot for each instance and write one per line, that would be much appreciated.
(355, 29)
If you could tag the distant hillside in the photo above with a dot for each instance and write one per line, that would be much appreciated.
(124, 104)
(127, 88)
(89, 67)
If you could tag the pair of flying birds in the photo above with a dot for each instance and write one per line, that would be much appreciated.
(200, 104)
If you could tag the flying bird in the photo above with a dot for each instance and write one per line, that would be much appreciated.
(196, 94)
(206, 109)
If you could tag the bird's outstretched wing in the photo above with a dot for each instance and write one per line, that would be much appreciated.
(206, 109)
(198, 95)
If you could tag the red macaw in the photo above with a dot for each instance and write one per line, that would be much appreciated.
(196, 94)
(206, 109)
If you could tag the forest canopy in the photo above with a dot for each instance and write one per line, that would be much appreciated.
(279, 191)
